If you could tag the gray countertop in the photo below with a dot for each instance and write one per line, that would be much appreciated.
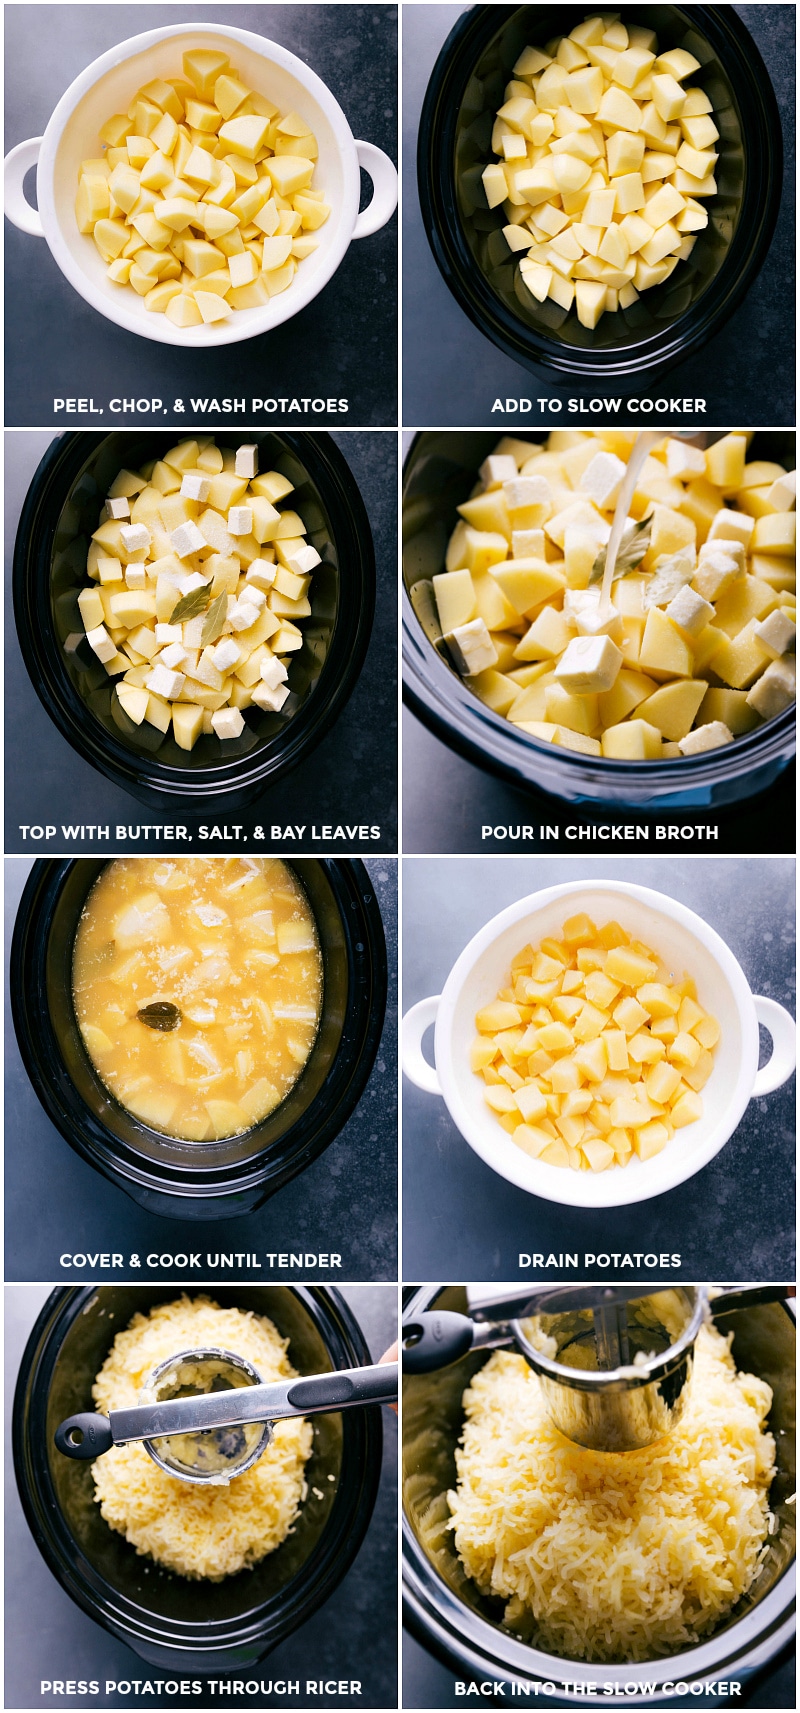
(344, 1202)
(341, 346)
(50, 1638)
(453, 373)
(735, 1217)
(349, 778)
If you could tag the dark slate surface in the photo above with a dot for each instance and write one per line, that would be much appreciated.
(733, 1218)
(353, 1636)
(453, 373)
(351, 776)
(427, 1683)
(447, 801)
(346, 1201)
(342, 345)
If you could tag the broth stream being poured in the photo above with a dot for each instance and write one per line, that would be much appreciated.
(197, 986)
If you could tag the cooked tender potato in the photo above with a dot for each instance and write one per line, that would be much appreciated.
(697, 648)
(604, 157)
(192, 1026)
(187, 202)
(594, 1052)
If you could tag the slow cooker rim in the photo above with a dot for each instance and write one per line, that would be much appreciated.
(450, 1641)
(761, 197)
(434, 692)
(279, 1161)
(361, 1456)
(278, 755)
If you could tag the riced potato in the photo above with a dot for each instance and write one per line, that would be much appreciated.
(594, 1053)
(606, 159)
(696, 647)
(203, 199)
(199, 585)
(197, 985)
(614, 1556)
(200, 1532)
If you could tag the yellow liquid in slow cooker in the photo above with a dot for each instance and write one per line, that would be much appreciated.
(230, 945)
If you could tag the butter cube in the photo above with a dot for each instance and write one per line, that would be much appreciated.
(777, 634)
(227, 722)
(240, 520)
(242, 614)
(186, 540)
(716, 573)
(165, 683)
(301, 560)
(261, 573)
(166, 634)
(273, 671)
(118, 508)
(472, 648)
(684, 461)
(246, 463)
(589, 664)
(783, 493)
(711, 736)
(270, 698)
(497, 469)
(732, 526)
(135, 538)
(100, 641)
(136, 575)
(602, 480)
(172, 656)
(776, 688)
(226, 655)
(690, 611)
(195, 486)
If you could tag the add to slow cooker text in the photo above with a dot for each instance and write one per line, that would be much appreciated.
(606, 832)
(314, 833)
(489, 1690)
(288, 1260)
(253, 408)
(600, 406)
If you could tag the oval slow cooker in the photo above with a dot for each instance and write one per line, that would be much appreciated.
(439, 474)
(666, 325)
(166, 1619)
(206, 1180)
(62, 509)
(448, 1615)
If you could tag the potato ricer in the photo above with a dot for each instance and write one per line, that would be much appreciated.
(206, 1415)
(614, 1363)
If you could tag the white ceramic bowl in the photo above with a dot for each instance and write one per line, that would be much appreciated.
(688, 945)
(108, 86)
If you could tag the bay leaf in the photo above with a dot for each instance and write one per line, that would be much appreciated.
(190, 606)
(214, 620)
(632, 549)
(162, 1014)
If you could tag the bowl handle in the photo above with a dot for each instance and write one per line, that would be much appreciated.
(384, 190)
(17, 207)
(781, 1063)
(415, 1064)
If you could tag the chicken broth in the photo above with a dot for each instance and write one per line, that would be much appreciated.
(197, 986)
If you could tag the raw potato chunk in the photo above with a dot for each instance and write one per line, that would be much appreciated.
(700, 624)
(577, 1084)
(194, 189)
(603, 155)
